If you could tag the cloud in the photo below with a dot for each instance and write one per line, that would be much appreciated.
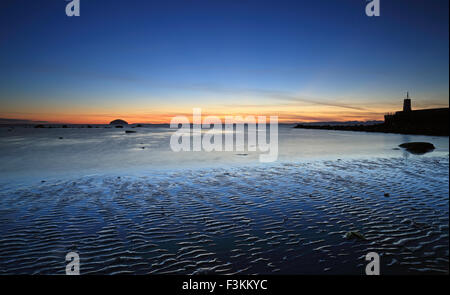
(273, 94)
(19, 121)
(203, 87)
(319, 102)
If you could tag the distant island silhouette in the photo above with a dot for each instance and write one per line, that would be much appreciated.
(118, 122)
(407, 121)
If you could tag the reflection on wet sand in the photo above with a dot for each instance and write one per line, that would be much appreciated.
(284, 218)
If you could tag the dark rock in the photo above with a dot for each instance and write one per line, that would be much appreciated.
(61, 137)
(130, 131)
(387, 195)
(39, 126)
(354, 235)
(118, 122)
(119, 126)
(418, 148)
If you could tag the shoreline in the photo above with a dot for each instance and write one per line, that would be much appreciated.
(31, 180)
(380, 128)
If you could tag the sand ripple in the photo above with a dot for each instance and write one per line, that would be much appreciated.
(284, 218)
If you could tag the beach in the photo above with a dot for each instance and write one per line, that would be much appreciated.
(222, 216)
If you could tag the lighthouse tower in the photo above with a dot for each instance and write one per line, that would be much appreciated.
(407, 103)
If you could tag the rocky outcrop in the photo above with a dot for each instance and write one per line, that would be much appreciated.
(118, 122)
(418, 148)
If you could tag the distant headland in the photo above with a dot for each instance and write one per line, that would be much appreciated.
(118, 122)
(407, 121)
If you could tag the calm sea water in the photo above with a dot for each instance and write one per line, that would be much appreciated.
(35, 154)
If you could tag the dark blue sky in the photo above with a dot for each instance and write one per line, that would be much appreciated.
(301, 59)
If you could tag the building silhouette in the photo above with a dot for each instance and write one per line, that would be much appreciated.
(407, 121)
(407, 103)
(426, 120)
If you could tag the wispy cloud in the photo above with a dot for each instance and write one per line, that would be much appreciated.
(19, 121)
(271, 94)
(207, 87)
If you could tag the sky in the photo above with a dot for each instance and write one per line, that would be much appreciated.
(148, 61)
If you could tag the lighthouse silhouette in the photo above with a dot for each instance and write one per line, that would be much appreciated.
(407, 103)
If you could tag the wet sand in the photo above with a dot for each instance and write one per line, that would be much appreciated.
(276, 219)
